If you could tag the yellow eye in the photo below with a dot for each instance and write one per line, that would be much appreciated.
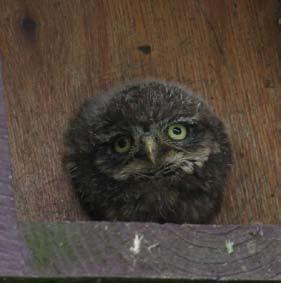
(177, 132)
(122, 145)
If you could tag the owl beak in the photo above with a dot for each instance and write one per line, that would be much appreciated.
(150, 148)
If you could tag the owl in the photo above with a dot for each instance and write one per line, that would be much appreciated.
(148, 151)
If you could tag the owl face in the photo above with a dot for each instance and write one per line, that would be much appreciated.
(146, 135)
(148, 151)
(159, 150)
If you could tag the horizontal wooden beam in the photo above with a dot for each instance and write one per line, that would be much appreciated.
(147, 250)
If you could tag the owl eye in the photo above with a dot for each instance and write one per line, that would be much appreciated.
(177, 132)
(122, 145)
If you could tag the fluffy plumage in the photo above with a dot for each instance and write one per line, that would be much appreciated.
(148, 151)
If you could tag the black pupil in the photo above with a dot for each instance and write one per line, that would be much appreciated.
(122, 143)
(177, 130)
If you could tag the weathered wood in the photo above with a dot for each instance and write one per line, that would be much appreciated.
(10, 255)
(138, 250)
(57, 53)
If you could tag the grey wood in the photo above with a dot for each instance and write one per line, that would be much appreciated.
(139, 250)
(11, 262)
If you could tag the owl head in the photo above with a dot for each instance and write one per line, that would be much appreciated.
(146, 135)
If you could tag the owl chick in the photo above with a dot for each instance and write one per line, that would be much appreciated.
(148, 151)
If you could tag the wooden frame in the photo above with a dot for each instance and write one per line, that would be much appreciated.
(104, 250)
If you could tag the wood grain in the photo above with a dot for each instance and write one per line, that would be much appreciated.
(57, 53)
(10, 253)
(176, 252)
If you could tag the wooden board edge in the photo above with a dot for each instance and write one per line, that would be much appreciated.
(147, 251)
(11, 260)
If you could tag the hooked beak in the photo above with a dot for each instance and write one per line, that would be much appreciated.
(150, 148)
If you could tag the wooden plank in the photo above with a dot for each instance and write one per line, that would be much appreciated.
(152, 251)
(57, 53)
(11, 262)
